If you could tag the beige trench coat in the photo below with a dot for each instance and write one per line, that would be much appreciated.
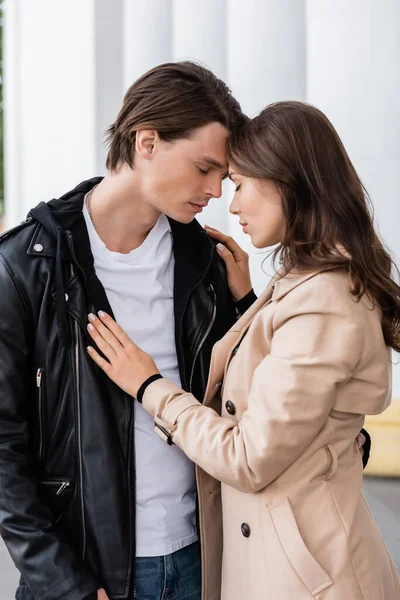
(289, 386)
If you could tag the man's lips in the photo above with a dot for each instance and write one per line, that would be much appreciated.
(197, 206)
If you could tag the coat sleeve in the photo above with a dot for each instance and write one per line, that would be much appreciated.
(50, 566)
(316, 345)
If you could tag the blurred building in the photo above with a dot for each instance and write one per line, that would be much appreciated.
(67, 64)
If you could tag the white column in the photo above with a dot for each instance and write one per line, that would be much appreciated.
(147, 36)
(63, 86)
(354, 77)
(199, 34)
(11, 114)
(49, 100)
(266, 51)
(109, 61)
(266, 63)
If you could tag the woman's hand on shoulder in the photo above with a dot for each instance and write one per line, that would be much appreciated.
(236, 261)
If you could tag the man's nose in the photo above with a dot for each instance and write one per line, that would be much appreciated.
(215, 188)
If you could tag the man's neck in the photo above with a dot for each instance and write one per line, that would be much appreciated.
(120, 216)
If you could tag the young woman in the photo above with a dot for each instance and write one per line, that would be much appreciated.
(291, 382)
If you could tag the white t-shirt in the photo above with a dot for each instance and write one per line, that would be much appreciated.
(139, 287)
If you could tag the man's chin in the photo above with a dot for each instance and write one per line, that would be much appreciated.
(182, 217)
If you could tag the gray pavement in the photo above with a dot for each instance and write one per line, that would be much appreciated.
(383, 496)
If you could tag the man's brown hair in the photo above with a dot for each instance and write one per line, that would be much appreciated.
(174, 99)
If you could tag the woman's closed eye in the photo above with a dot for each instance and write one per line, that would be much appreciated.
(237, 188)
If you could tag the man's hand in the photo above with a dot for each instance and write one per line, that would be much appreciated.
(236, 261)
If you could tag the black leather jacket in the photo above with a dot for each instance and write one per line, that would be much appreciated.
(67, 446)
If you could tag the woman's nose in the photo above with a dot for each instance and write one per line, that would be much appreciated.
(234, 209)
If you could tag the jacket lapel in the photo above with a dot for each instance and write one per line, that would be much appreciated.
(222, 351)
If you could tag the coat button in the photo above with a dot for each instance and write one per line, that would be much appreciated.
(230, 407)
(245, 530)
(38, 248)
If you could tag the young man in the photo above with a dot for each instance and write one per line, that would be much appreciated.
(91, 504)
(89, 499)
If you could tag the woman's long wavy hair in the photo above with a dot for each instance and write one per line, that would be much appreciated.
(328, 214)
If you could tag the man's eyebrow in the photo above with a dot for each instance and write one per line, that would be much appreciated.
(212, 162)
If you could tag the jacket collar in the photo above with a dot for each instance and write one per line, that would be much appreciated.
(277, 288)
(282, 285)
(193, 249)
(190, 241)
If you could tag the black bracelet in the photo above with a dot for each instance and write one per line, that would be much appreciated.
(143, 387)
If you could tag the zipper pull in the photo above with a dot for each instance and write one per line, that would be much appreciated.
(62, 487)
(39, 373)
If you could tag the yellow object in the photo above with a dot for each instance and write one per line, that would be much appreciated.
(384, 430)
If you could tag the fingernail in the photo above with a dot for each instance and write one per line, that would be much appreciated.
(91, 317)
(90, 327)
(101, 313)
(89, 349)
(220, 247)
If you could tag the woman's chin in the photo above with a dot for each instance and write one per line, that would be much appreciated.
(262, 243)
(257, 242)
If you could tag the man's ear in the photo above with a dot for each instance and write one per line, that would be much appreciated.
(146, 142)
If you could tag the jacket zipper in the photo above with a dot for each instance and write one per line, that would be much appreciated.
(180, 345)
(39, 375)
(205, 336)
(62, 485)
(72, 249)
(79, 433)
(79, 427)
(134, 499)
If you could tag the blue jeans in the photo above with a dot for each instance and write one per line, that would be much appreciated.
(176, 576)
(173, 577)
